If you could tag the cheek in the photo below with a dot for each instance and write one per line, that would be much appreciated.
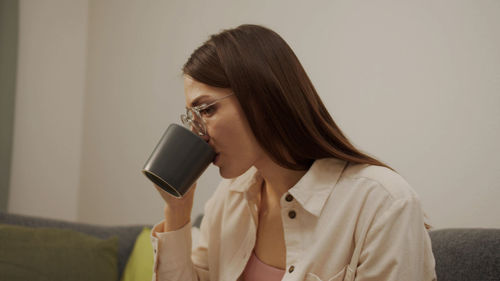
(239, 153)
(227, 134)
(232, 135)
(218, 131)
(223, 128)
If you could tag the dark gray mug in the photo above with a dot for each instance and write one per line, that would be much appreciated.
(179, 159)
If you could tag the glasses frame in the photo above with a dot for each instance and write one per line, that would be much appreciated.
(190, 119)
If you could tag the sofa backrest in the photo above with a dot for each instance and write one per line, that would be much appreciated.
(471, 254)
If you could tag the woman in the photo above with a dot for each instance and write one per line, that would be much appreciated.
(298, 200)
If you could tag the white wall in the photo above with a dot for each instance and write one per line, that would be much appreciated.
(415, 83)
(48, 119)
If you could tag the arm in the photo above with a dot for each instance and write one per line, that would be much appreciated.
(397, 245)
(172, 241)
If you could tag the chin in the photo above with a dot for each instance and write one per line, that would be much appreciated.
(231, 173)
(227, 174)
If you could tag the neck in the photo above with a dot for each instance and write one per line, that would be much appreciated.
(277, 180)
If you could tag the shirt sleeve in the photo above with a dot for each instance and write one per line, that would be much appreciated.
(172, 255)
(397, 245)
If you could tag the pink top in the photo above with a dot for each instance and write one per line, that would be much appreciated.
(256, 270)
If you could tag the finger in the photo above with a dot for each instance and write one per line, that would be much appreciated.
(164, 194)
(167, 196)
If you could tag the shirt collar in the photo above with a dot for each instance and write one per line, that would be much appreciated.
(311, 191)
(246, 180)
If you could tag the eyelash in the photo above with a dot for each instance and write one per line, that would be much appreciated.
(208, 111)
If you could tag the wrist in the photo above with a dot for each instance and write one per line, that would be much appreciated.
(175, 219)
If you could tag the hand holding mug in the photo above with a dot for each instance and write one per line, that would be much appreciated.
(177, 209)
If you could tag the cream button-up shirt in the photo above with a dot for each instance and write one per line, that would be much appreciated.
(341, 222)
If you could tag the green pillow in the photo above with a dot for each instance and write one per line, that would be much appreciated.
(140, 263)
(54, 254)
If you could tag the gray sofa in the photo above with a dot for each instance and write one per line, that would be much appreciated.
(461, 254)
(467, 254)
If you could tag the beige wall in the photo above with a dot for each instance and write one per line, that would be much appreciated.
(415, 83)
(48, 115)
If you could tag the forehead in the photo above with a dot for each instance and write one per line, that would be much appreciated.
(197, 92)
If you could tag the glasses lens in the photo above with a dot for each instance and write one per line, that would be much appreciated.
(185, 121)
(198, 127)
(192, 121)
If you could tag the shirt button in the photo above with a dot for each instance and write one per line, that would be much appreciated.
(289, 198)
(291, 269)
(292, 214)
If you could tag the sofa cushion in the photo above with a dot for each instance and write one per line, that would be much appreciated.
(55, 254)
(140, 263)
(466, 254)
(126, 234)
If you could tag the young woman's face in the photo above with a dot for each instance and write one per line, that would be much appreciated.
(228, 131)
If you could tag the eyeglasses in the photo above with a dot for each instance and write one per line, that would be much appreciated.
(193, 119)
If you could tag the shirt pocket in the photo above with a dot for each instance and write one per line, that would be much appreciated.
(339, 276)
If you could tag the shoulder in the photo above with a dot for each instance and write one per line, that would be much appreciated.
(379, 179)
(379, 195)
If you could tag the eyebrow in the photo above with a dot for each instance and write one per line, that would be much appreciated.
(198, 100)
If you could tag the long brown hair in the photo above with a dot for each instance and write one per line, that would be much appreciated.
(283, 109)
